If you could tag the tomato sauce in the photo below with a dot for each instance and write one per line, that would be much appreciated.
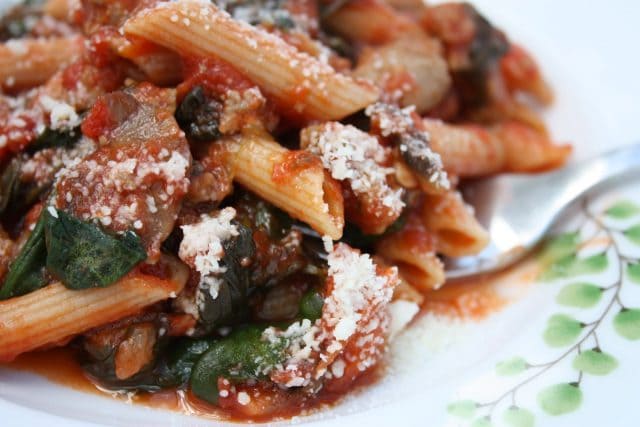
(293, 164)
(471, 299)
(60, 366)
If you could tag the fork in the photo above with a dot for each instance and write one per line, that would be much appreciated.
(518, 210)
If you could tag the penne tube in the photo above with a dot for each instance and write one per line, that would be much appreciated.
(55, 313)
(464, 152)
(161, 66)
(413, 251)
(294, 181)
(527, 150)
(60, 9)
(457, 232)
(26, 63)
(301, 84)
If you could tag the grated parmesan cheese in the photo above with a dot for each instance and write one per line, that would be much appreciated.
(201, 248)
(61, 114)
(356, 157)
(357, 286)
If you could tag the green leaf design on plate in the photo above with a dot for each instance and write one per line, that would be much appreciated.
(582, 295)
(595, 362)
(512, 366)
(561, 330)
(462, 408)
(560, 399)
(633, 234)
(623, 209)
(633, 271)
(518, 417)
(481, 422)
(627, 323)
(559, 247)
(574, 266)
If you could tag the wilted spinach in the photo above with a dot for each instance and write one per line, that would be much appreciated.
(171, 366)
(54, 138)
(241, 356)
(9, 184)
(230, 304)
(83, 256)
(27, 272)
(487, 47)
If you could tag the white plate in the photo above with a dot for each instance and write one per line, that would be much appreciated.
(589, 54)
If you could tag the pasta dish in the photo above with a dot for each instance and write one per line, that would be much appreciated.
(246, 200)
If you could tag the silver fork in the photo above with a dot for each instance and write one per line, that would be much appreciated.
(519, 209)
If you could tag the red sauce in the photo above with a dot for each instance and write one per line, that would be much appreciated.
(469, 299)
(478, 297)
(215, 75)
(60, 366)
(98, 121)
(294, 162)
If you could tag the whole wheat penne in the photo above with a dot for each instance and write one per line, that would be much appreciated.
(292, 181)
(302, 84)
(457, 232)
(55, 313)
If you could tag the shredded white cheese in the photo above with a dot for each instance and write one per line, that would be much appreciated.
(61, 114)
(202, 248)
(356, 157)
(356, 287)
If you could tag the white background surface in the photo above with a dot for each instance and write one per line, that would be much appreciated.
(589, 52)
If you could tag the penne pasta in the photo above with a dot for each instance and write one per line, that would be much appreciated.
(26, 63)
(413, 251)
(181, 174)
(464, 152)
(60, 9)
(471, 150)
(457, 232)
(294, 181)
(312, 89)
(160, 65)
(527, 150)
(55, 313)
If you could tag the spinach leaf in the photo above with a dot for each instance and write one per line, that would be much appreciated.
(20, 195)
(9, 183)
(82, 256)
(199, 116)
(354, 237)
(26, 273)
(231, 302)
(241, 356)
(54, 138)
(177, 364)
(488, 46)
(174, 360)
